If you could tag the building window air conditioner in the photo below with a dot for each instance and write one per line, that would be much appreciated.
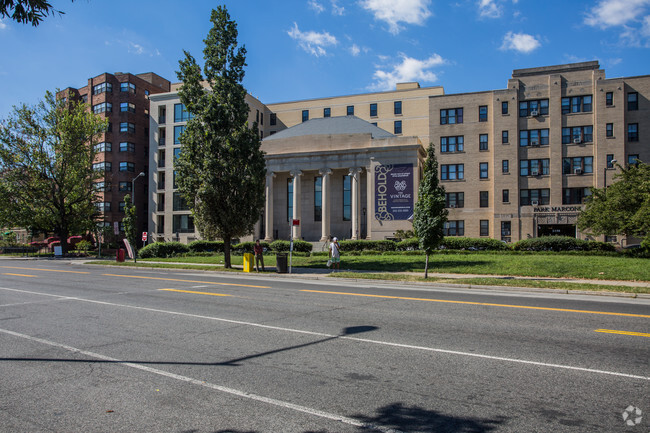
(534, 203)
(534, 113)
(577, 141)
(577, 171)
(534, 143)
(534, 173)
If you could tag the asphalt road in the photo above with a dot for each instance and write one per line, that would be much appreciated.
(103, 349)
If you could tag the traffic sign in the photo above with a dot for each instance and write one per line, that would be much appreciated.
(295, 222)
(144, 236)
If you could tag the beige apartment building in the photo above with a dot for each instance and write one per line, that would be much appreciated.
(515, 162)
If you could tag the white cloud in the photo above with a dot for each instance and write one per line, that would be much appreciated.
(313, 4)
(409, 69)
(336, 9)
(355, 50)
(611, 13)
(394, 12)
(2, 25)
(489, 9)
(312, 42)
(520, 42)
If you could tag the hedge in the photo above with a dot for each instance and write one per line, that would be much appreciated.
(561, 243)
(163, 249)
(298, 245)
(206, 246)
(247, 247)
(363, 245)
(473, 244)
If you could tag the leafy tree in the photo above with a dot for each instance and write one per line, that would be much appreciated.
(46, 167)
(27, 11)
(130, 224)
(430, 213)
(221, 169)
(622, 208)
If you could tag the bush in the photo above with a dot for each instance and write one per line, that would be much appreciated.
(298, 245)
(411, 244)
(363, 245)
(206, 246)
(473, 244)
(163, 249)
(83, 245)
(561, 243)
(247, 247)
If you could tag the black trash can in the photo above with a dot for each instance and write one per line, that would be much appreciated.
(281, 263)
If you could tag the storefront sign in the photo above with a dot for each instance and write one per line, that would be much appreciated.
(394, 192)
(557, 209)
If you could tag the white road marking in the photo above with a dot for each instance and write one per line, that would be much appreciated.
(232, 391)
(363, 340)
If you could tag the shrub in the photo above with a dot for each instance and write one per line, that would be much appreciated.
(298, 245)
(206, 246)
(163, 249)
(247, 247)
(83, 245)
(473, 244)
(74, 240)
(364, 245)
(561, 243)
(410, 244)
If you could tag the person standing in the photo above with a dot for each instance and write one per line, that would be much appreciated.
(335, 254)
(259, 256)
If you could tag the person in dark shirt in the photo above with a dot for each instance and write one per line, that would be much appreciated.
(259, 256)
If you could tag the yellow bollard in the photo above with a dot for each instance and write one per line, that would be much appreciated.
(248, 262)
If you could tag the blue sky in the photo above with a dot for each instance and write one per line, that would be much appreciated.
(300, 49)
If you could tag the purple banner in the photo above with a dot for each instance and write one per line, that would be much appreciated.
(394, 192)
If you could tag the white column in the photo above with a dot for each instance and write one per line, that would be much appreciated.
(355, 174)
(296, 232)
(325, 195)
(268, 208)
(370, 197)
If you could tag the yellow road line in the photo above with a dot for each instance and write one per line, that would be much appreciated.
(566, 310)
(186, 281)
(612, 331)
(20, 275)
(196, 293)
(44, 270)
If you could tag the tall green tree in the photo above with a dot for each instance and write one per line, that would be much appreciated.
(46, 167)
(621, 208)
(221, 169)
(130, 223)
(430, 213)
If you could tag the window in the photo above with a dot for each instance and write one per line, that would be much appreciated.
(451, 144)
(161, 158)
(577, 104)
(161, 202)
(177, 153)
(610, 160)
(578, 134)
(534, 167)
(632, 132)
(575, 195)
(181, 114)
(104, 107)
(127, 166)
(183, 224)
(101, 88)
(127, 87)
(484, 227)
(160, 226)
(538, 107)
(504, 137)
(506, 229)
(127, 107)
(179, 203)
(161, 180)
(102, 186)
(261, 118)
(483, 170)
(104, 146)
(257, 115)
(125, 146)
(125, 186)
(483, 113)
(454, 228)
(109, 127)
(533, 137)
(504, 108)
(305, 115)
(632, 160)
(174, 184)
(451, 116)
(609, 99)
(347, 197)
(327, 112)
(578, 165)
(178, 130)
(609, 130)
(505, 166)
(318, 198)
(505, 196)
(534, 197)
(484, 198)
(397, 108)
(121, 205)
(273, 119)
(483, 142)
(397, 127)
(373, 110)
(632, 101)
(103, 166)
(289, 199)
(127, 127)
(350, 110)
(455, 199)
(103, 206)
(452, 171)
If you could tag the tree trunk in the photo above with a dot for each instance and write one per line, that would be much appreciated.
(426, 267)
(63, 235)
(226, 252)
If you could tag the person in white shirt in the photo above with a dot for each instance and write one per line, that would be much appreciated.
(335, 254)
